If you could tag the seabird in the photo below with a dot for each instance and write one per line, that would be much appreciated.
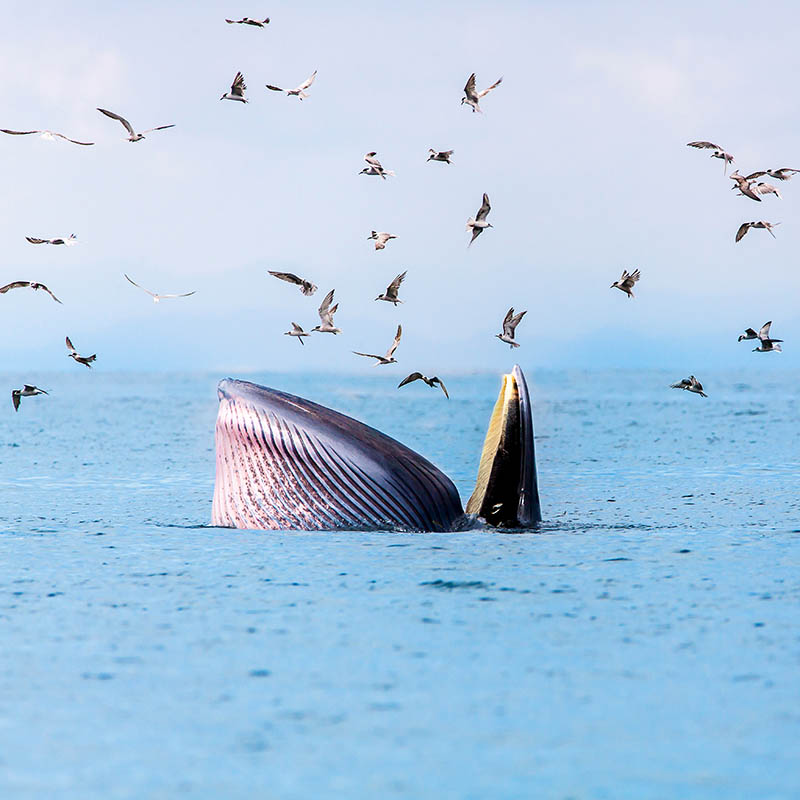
(440, 155)
(389, 357)
(237, 89)
(48, 136)
(374, 167)
(306, 287)
(479, 223)
(300, 90)
(381, 239)
(767, 188)
(298, 332)
(626, 281)
(718, 152)
(432, 382)
(28, 284)
(744, 186)
(326, 313)
(68, 241)
(26, 391)
(783, 174)
(73, 354)
(766, 342)
(157, 297)
(472, 97)
(745, 226)
(509, 326)
(767, 346)
(390, 295)
(258, 23)
(132, 135)
(690, 384)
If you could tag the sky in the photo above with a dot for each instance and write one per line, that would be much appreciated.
(582, 150)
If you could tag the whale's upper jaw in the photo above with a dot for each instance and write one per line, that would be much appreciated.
(284, 462)
(506, 492)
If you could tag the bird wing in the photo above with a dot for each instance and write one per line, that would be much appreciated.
(390, 351)
(368, 355)
(43, 287)
(274, 88)
(14, 285)
(35, 240)
(15, 398)
(485, 208)
(307, 82)
(74, 141)
(325, 305)
(159, 128)
(743, 228)
(705, 145)
(289, 277)
(414, 376)
(696, 383)
(764, 332)
(370, 159)
(297, 328)
(747, 191)
(391, 290)
(514, 321)
(70, 346)
(117, 117)
(434, 379)
(169, 296)
(751, 333)
(18, 133)
(633, 277)
(238, 86)
(130, 280)
(469, 89)
(753, 175)
(488, 89)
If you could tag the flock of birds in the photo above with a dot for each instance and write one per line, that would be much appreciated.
(747, 185)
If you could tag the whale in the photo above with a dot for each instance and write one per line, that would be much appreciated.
(284, 462)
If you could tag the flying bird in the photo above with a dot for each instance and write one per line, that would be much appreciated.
(68, 241)
(784, 174)
(26, 391)
(237, 89)
(48, 136)
(626, 281)
(473, 97)
(440, 155)
(510, 326)
(744, 186)
(381, 239)
(745, 226)
(389, 357)
(30, 285)
(326, 313)
(157, 297)
(258, 23)
(432, 382)
(374, 167)
(306, 287)
(299, 91)
(390, 295)
(132, 135)
(768, 346)
(765, 340)
(479, 223)
(690, 384)
(718, 152)
(298, 332)
(73, 354)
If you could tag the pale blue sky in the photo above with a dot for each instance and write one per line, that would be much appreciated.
(581, 149)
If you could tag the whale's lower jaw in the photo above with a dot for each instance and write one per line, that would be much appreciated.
(289, 464)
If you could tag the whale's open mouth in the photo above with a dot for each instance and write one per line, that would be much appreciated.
(287, 463)
(506, 492)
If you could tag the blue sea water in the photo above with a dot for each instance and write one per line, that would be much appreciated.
(644, 644)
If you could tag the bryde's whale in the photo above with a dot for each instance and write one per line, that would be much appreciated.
(287, 463)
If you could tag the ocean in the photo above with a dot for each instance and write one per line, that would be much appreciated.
(643, 643)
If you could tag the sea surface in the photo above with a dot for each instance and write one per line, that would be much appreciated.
(644, 643)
